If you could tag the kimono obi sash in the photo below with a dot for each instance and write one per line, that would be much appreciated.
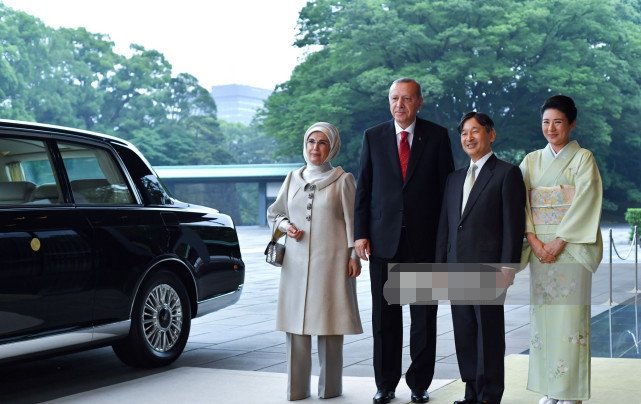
(550, 204)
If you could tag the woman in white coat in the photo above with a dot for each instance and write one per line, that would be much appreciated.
(317, 293)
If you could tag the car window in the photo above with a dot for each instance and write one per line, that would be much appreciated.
(26, 173)
(153, 192)
(94, 175)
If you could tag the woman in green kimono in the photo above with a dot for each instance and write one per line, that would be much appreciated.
(564, 247)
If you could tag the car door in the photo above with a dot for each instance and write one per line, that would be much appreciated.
(46, 269)
(127, 238)
(200, 236)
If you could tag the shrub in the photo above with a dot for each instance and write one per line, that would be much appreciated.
(633, 217)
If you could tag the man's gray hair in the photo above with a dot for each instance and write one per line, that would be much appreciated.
(409, 80)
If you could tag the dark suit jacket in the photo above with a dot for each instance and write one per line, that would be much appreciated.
(491, 228)
(384, 202)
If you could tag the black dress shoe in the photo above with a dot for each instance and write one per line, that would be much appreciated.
(465, 401)
(383, 396)
(420, 396)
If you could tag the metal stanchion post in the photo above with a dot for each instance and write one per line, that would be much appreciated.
(610, 325)
(636, 262)
(637, 341)
(610, 302)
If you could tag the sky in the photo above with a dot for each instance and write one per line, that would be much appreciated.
(217, 41)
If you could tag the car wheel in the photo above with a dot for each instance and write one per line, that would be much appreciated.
(160, 323)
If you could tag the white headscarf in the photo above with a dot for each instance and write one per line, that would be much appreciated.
(333, 136)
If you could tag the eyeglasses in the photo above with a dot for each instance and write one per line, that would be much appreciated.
(321, 143)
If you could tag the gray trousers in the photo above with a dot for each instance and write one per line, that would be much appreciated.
(299, 366)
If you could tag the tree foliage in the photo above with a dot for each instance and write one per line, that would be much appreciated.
(72, 77)
(502, 57)
(250, 145)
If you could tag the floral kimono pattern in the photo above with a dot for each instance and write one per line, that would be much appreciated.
(564, 200)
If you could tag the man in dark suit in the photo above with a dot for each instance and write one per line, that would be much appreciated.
(482, 221)
(404, 164)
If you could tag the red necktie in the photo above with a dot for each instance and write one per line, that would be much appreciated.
(404, 153)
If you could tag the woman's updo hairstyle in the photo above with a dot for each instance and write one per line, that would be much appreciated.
(562, 103)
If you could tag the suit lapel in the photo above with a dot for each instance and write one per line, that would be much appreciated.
(457, 189)
(481, 181)
(391, 150)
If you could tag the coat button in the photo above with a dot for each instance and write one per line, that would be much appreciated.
(460, 227)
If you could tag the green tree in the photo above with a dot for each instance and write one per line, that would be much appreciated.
(80, 63)
(22, 44)
(74, 78)
(51, 75)
(131, 92)
(503, 57)
(171, 119)
(249, 144)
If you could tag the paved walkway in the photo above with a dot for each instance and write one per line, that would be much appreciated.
(613, 381)
(235, 356)
(242, 337)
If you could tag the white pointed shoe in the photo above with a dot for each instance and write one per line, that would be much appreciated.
(548, 400)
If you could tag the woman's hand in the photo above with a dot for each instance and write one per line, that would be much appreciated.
(538, 249)
(294, 232)
(555, 247)
(353, 267)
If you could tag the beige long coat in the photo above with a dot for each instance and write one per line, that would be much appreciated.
(316, 296)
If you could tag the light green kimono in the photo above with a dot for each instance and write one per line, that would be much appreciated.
(564, 200)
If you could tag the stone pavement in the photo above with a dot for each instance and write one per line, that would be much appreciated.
(235, 356)
(242, 337)
(613, 381)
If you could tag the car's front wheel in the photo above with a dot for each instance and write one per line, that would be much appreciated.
(160, 323)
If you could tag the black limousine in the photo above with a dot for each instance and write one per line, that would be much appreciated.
(95, 252)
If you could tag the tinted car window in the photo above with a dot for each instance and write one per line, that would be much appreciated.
(94, 175)
(38, 171)
(150, 186)
(26, 173)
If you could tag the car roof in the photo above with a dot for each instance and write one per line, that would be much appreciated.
(12, 124)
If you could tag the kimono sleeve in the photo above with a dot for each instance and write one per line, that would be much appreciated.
(581, 222)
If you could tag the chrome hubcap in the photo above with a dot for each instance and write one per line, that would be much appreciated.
(162, 318)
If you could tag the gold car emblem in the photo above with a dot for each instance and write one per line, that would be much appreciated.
(35, 244)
